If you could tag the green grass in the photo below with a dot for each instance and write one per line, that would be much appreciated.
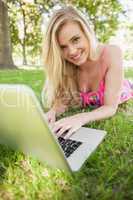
(106, 175)
(129, 73)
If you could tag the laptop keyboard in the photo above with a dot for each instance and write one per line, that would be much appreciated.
(68, 145)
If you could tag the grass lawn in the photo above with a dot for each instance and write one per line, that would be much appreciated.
(106, 175)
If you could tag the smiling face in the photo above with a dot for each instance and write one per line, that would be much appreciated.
(73, 43)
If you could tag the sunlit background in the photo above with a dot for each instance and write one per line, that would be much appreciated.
(28, 20)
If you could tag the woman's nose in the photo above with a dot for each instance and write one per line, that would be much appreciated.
(72, 51)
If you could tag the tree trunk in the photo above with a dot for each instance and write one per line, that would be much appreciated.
(23, 43)
(24, 40)
(6, 60)
(24, 54)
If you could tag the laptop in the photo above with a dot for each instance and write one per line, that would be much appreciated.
(23, 126)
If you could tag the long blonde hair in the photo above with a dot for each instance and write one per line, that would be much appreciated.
(61, 85)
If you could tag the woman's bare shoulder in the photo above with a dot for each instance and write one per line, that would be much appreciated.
(114, 56)
(112, 49)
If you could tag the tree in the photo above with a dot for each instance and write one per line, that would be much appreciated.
(6, 60)
(25, 26)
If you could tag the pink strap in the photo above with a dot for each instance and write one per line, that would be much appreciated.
(86, 97)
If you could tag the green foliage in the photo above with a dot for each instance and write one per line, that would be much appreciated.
(13, 17)
(25, 24)
(129, 40)
(129, 72)
(103, 15)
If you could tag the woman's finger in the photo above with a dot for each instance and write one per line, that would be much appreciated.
(56, 127)
(52, 120)
(69, 133)
(62, 130)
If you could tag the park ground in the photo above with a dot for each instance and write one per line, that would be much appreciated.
(106, 175)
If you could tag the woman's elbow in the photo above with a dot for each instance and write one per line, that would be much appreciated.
(113, 110)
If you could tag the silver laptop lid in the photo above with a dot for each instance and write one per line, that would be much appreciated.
(22, 125)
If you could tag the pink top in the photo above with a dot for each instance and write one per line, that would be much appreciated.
(96, 99)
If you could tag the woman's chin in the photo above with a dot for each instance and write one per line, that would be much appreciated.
(81, 62)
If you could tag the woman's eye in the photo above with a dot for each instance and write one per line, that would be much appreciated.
(63, 48)
(76, 39)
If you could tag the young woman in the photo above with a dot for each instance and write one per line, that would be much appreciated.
(80, 72)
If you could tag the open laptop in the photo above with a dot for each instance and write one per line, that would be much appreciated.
(23, 125)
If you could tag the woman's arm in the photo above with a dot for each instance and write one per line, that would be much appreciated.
(54, 112)
(113, 84)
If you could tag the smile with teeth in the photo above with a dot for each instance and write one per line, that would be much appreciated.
(76, 57)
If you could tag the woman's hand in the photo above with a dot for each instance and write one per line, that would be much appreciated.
(70, 124)
(51, 116)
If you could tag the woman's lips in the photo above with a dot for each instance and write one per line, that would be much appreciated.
(76, 57)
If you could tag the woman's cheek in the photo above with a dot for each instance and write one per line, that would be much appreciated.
(65, 55)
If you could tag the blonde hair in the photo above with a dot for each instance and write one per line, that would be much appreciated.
(61, 85)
